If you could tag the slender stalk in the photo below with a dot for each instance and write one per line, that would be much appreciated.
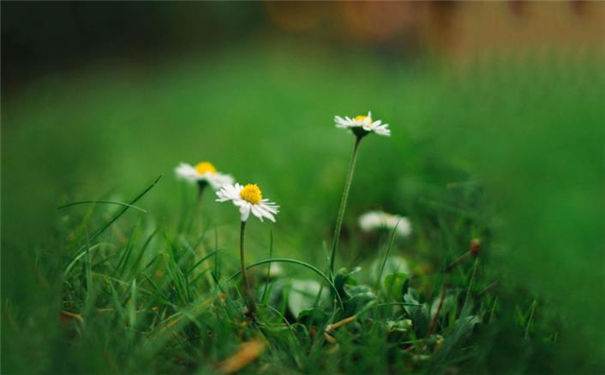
(198, 207)
(343, 203)
(448, 270)
(488, 289)
(491, 314)
(473, 251)
(470, 283)
(441, 300)
(197, 221)
(386, 258)
(249, 298)
(531, 317)
(264, 297)
(458, 261)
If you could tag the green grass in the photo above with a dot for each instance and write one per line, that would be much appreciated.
(511, 153)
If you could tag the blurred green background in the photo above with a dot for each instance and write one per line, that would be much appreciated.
(100, 98)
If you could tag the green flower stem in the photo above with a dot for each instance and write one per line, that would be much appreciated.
(343, 203)
(198, 207)
(248, 297)
(197, 224)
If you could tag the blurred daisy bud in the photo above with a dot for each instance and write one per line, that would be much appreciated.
(272, 273)
(379, 220)
(475, 246)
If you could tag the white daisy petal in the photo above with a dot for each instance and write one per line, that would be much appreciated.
(263, 209)
(256, 211)
(382, 130)
(224, 194)
(244, 210)
(340, 120)
(186, 172)
(271, 207)
(234, 191)
(219, 180)
(267, 213)
(239, 202)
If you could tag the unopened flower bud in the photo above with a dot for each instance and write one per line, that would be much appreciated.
(475, 246)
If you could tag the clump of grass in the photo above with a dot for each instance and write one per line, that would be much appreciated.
(144, 294)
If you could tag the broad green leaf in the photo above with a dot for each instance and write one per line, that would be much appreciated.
(358, 297)
(343, 278)
(394, 264)
(402, 325)
(314, 316)
(303, 295)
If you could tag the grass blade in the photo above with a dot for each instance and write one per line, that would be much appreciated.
(300, 263)
(108, 224)
(263, 298)
(386, 257)
(103, 202)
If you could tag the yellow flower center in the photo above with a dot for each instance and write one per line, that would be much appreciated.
(205, 167)
(251, 193)
(362, 118)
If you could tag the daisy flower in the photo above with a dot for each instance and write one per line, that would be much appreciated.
(248, 198)
(375, 220)
(362, 125)
(203, 172)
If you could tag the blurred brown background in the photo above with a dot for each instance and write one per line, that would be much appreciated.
(39, 37)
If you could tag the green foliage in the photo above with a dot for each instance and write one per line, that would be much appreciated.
(511, 156)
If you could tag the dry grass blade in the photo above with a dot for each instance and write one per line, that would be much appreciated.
(247, 353)
(66, 317)
(339, 324)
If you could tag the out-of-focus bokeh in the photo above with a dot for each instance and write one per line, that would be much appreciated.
(43, 38)
(505, 98)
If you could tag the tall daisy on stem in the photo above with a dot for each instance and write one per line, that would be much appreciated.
(360, 126)
(204, 174)
(249, 199)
